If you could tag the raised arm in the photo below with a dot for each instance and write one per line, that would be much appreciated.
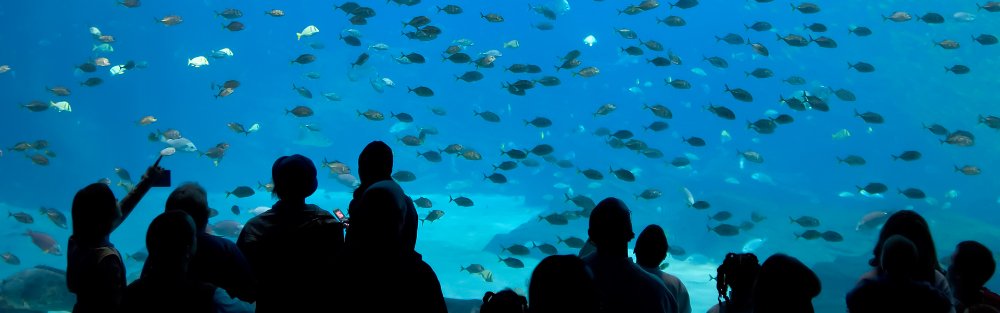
(129, 202)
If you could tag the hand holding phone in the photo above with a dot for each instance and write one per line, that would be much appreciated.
(159, 176)
(340, 215)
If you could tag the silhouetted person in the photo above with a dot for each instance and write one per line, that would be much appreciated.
(734, 280)
(381, 259)
(164, 285)
(784, 284)
(563, 283)
(911, 225)
(897, 289)
(972, 265)
(94, 268)
(505, 301)
(294, 247)
(650, 250)
(218, 261)
(374, 165)
(623, 285)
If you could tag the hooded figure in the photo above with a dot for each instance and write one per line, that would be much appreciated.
(380, 248)
(623, 285)
(293, 248)
(374, 165)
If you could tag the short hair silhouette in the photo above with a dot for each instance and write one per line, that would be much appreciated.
(562, 283)
(737, 271)
(911, 225)
(171, 239)
(505, 301)
(651, 246)
(974, 263)
(784, 284)
(192, 199)
(294, 177)
(375, 162)
(610, 223)
(94, 211)
(899, 258)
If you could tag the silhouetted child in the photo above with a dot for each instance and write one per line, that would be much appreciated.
(784, 284)
(217, 261)
(380, 247)
(897, 289)
(623, 285)
(650, 250)
(505, 301)
(734, 280)
(293, 249)
(94, 268)
(972, 265)
(562, 283)
(164, 285)
(374, 165)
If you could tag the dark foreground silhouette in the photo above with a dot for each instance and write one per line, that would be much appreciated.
(298, 257)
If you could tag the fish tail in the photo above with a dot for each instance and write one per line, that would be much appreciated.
(797, 236)
(894, 158)
(560, 240)
(957, 169)
(709, 227)
(792, 220)
(228, 193)
(839, 160)
(793, 6)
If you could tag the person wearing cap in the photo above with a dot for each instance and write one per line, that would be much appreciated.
(293, 249)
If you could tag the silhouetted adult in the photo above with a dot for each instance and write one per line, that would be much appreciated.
(734, 280)
(784, 284)
(94, 268)
(897, 289)
(374, 165)
(562, 283)
(911, 225)
(294, 247)
(218, 261)
(381, 259)
(164, 285)
(505, 301)
(623, 285)
(972, 265)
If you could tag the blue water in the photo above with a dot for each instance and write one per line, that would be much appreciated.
(46, 40)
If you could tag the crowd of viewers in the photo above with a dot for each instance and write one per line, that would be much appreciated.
(297, 257)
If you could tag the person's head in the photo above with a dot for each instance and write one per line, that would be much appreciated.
(95, 211)
(972, 265)
(562, 283)
(899, 258)
(192, 199)
(505, 301)
(171, 242)
(737, 272)
(784, 284)
(610, 224)
(294, 177)
(911, 225)
(380, 226)
(651, 246)
(375, 162)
